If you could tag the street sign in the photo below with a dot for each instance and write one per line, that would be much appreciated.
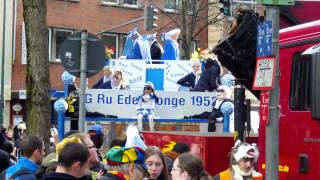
(277, 2)
(264, 38)
(264, 73)
(264, 107)
(70, 54)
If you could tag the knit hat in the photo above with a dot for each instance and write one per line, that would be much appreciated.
(245, 150)
(120, 155)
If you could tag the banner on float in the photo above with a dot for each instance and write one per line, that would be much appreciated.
(175, 70)
(171, 104)
(134, 72)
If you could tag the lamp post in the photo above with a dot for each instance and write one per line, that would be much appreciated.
(60, 106)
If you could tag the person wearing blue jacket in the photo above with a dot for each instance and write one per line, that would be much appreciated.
(32, 151)
(141, 48)
(171, 46)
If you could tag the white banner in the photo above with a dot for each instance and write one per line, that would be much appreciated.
(175, 70)
(123, 103)
(134, 72)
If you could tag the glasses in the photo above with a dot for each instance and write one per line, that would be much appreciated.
(176, 169)
(148, 88)
(116, 77)
(92, 147)
(220, 90)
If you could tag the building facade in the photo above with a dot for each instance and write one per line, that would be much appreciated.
(111, 19)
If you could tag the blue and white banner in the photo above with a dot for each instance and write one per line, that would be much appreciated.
(175, 70)
(133, 71)
(136, 72)
(171, 104)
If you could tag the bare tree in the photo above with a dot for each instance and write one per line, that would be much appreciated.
(38, 98)
(192, 17)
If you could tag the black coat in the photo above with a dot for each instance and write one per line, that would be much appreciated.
(100, 84)
(209, 79)
(156, 51)
(188, 80)
(59, 176)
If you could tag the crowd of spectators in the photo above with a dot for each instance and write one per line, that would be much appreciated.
(77, 157)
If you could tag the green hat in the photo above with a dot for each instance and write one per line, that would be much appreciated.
(120, 155)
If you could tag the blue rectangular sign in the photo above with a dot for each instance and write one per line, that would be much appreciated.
(264, 39)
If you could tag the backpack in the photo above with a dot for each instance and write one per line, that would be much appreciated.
(21, 172)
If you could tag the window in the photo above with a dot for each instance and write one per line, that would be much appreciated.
(111, 41)
(171, 4)
(300, 83)
(56, 38)
(121, 2)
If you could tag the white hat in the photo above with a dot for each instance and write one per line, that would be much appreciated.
(149, 84)
(133, 138)
(22, 125)
(245, 150)
(173, 32)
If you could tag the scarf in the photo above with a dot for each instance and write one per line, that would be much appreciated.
(238, 174)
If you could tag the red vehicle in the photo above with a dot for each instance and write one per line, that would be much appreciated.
(299, 126)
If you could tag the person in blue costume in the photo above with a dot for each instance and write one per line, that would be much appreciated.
(141, 48)
(171, 46)
(128, 46)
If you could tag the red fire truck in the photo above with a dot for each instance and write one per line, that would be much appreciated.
(299, 124)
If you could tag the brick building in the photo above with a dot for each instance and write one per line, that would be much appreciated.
(111, 18)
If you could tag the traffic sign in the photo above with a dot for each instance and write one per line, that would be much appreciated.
(70, 54)
(264, 73)
(264, 38)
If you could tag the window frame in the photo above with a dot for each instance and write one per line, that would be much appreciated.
(300, 98)
(117, 42)
(120, 3)
(52, 42)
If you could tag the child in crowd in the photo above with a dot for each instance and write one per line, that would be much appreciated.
(146, 106)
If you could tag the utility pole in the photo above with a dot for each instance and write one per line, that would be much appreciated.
(2, 64)
(272, 127)
(83, 76)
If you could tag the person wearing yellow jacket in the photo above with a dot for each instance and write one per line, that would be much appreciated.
(243, 158)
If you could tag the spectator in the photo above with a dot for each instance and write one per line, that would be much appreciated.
(93, 162)
(125, 163)
(146, 105)
(156, 165)
(72, 162)
(107, 76)
(209, 79)
(178, 149)
(117, 81)
(117, 141)
(171, 46)
(32, 150)
(73, 102)
(243, 158)
(191, 79)
(5, 162)
(188, 166)
(96, 134)
(9, 147)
